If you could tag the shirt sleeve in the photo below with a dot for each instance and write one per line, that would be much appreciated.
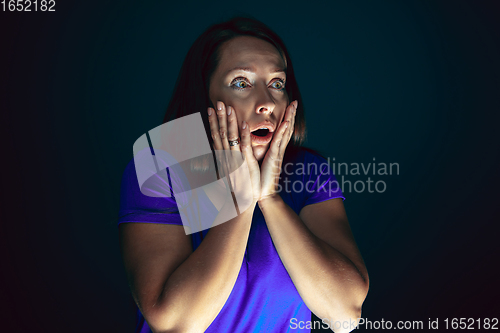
(138, 207)
(319, 179)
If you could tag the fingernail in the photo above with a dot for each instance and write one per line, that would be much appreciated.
(286, 124)
(244, 125)
(209, 111)
(229, 110)
(296, 104)
(219, 105)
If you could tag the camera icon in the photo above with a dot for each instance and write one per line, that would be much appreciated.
(175, 160)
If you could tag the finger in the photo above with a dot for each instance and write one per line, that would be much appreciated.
(246, 143)
(246, 140)
(235, 157)
(290, 117)
(278, 140)
(222, 119)
(246, 149)
(215, 133)
(291, 127)
(289, 112)
(227, 118)
(214, 129)
(232, 128)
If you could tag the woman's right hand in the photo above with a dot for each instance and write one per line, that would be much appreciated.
(245, 180)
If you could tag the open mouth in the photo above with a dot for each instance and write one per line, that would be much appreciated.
(261, 136)
(261, 132)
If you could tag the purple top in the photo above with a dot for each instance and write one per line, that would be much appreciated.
(264, 298)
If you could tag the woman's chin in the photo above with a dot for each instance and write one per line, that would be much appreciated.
(259, 151)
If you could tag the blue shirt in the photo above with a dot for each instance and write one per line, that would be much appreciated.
(264, 298)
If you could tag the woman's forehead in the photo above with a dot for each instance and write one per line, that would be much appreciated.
(251, 53)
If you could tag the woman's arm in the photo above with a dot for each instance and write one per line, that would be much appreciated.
(318, 250)
(176, 289)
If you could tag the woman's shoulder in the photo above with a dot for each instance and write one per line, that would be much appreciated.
(304, 154)
(304, 164)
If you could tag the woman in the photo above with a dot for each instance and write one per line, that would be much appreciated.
(291, 252)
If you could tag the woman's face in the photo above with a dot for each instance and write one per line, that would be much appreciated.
(250, 77)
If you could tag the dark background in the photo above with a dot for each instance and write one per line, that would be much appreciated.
(413, 83)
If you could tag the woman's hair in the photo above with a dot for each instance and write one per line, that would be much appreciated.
(202, 60)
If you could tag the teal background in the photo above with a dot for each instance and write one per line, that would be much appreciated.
(414, 83)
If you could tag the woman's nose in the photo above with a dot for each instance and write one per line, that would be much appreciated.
(265, 103)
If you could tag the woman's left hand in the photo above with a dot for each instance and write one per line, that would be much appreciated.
(271, 165)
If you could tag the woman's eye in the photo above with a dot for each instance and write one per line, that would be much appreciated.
(278, 84)
(240, 83)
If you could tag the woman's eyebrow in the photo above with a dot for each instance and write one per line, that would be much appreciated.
(279, 70)
(244, 69)
(251, 70)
